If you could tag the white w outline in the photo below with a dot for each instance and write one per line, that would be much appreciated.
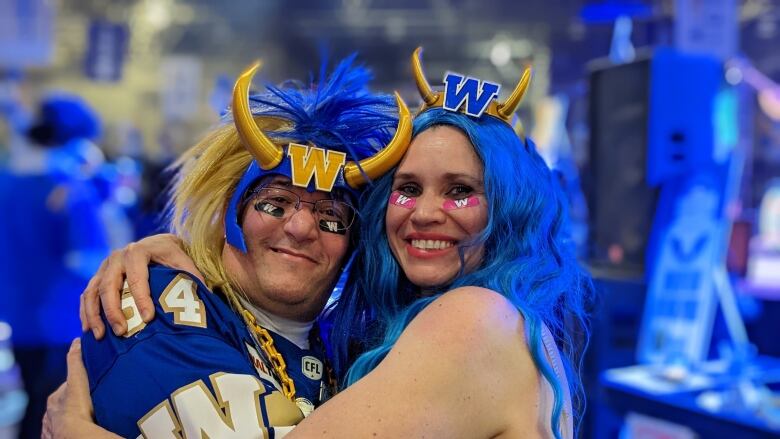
(459, 89)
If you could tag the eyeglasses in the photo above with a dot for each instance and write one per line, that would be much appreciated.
(333, 216)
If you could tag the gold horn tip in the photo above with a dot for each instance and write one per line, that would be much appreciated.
(252, 69)
(256, 65)
(528, 71)
(508, 107)
(375, 166)
(403, 110)
(266, 153)
(426, 92)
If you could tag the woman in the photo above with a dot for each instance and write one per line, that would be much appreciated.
(459, 296)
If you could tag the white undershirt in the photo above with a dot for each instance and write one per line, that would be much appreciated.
(294, 331)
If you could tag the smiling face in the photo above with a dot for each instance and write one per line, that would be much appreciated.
(438, 202)
(291, 264)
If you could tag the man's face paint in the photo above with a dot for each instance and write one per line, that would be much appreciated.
(401, 200)
(470, 201)
(333, 227)
(267, 207)
(333, 216)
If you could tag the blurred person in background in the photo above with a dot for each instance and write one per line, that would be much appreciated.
(53, 240)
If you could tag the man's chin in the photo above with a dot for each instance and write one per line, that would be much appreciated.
(293, 294)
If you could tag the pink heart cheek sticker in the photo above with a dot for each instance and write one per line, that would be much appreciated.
(463, 203)
(401, 200)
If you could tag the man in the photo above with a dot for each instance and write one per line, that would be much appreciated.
(265, 208)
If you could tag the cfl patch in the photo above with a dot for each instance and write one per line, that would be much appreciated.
(311, 367)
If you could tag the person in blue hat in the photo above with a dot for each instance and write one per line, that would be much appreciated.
(53, 240)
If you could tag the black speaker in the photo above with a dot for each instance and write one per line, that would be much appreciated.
(615, 325)
(621, 205)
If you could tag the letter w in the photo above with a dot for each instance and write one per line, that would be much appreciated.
(233, 414)
(307, 162)
(332, 226)
(458, 90)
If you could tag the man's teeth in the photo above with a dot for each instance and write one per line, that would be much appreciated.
(429, 244)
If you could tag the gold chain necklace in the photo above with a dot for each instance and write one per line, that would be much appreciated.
(278, 364)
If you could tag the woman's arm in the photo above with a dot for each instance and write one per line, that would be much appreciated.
(460, 369)
(132, 262)
(69, 409)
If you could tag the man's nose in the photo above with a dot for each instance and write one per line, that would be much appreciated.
(302, 224)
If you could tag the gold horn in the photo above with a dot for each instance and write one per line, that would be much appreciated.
(381, 162)
(427, 93)
(507, 109)
(267, 154)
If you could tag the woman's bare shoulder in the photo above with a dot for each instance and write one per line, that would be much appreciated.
(476, 337)
(471, 315)
(461, 354)
(470, 330)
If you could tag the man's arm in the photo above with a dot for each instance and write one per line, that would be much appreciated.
(69, 409)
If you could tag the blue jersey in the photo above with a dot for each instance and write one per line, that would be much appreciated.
(194, 371)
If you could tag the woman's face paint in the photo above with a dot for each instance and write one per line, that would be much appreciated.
(401, 200)
(470, 201)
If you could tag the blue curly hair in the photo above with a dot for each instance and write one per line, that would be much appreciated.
(527, 258)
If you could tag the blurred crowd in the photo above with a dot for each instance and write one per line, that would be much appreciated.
(67, 205)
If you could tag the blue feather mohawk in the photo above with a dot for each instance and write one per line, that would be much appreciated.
(337, 111)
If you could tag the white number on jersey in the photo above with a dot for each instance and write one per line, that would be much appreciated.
(181, 299)
(130, 310)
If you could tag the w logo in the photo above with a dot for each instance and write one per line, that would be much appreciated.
(311, 162)
(475, 93)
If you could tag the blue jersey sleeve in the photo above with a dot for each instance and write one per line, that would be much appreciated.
(188, 372)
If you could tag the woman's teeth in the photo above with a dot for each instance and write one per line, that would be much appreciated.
(429, 244)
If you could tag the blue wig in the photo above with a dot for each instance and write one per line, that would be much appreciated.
(527, 259)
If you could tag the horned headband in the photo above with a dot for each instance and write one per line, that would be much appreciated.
(460, 90)
(268, 154)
